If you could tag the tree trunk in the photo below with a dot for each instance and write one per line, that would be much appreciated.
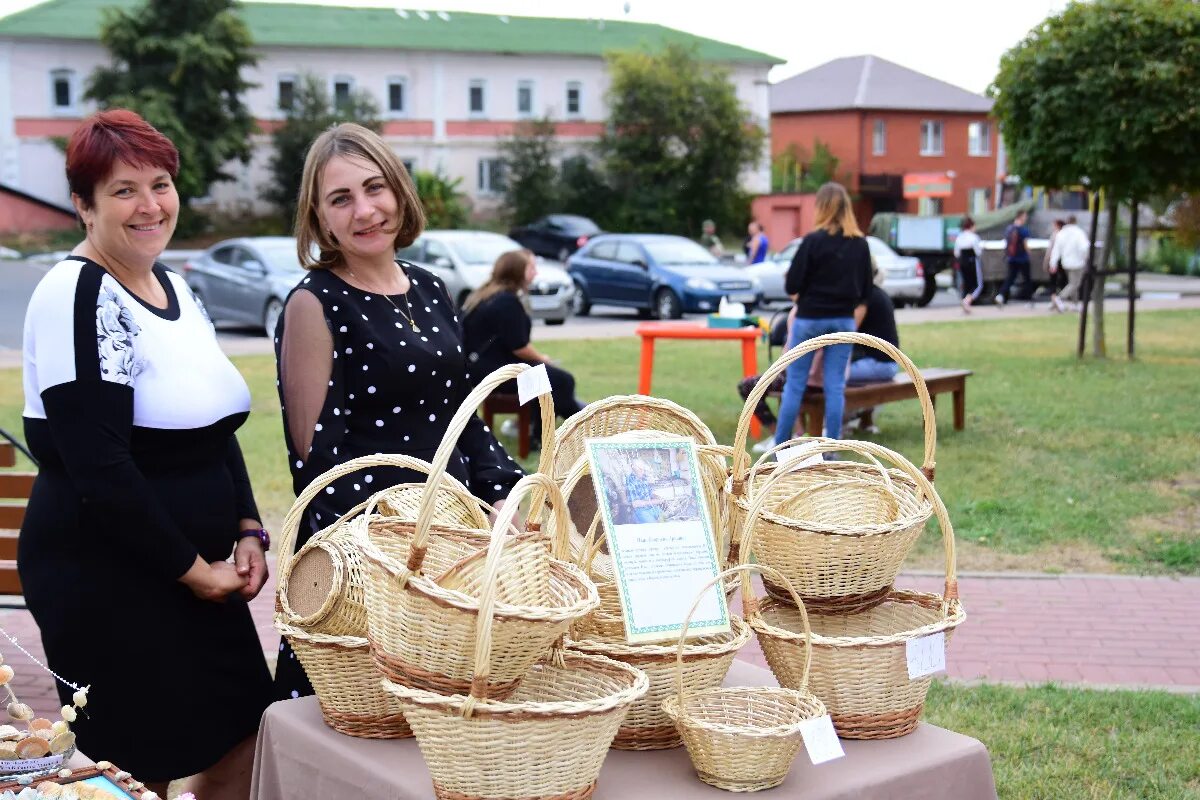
(1088, 275)
(1099, 345)
(1133, 234)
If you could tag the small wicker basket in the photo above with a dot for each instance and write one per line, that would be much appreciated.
(837, 531)
(547, 741)
(859, 664)
(743, 739)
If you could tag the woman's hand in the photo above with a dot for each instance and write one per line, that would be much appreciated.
(250, 562)
(213, 582)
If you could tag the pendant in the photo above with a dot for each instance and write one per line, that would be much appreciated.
(414, 326)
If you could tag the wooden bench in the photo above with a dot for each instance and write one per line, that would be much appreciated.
(14, 491)
(497, 403)
(869, 395)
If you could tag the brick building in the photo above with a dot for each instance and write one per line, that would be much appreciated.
(883, 122)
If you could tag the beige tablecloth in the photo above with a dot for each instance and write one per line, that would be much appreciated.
(298, 757)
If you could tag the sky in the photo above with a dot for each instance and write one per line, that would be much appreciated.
(955, 41)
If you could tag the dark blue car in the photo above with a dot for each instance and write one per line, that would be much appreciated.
(656, 274)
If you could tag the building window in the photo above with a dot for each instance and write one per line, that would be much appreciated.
(62, 90)
(397, 96)
(979, 139)
(410, 164)
(343, 89)
(574, 99)
(491, 176)
(524, 98)
(286, 92)
(931, 138)
(879, 138)
(929, 206)
(476, 99)
(977, 200)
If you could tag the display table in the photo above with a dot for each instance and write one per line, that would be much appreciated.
(298, 757)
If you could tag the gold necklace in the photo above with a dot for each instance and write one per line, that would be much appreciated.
(400, 311)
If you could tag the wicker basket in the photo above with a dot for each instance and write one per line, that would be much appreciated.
(547, 741)
(319, 609)
(742, 738)
(421, 628)
(841, 546)
(859, 663)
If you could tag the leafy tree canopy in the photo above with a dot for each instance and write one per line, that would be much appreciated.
(179, 64)
(1107, 91)
(531, 177)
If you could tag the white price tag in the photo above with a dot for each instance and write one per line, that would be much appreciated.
(533, 383)
(820, 740)
(926, 655)
(30, 765)
(792, 453)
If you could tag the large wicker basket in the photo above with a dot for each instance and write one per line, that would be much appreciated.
(547, 741)
(859, 663)
(833, 529)
(743, 738)
(319, 609)
(421, 628)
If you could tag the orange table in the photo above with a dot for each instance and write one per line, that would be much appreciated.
(652, 331)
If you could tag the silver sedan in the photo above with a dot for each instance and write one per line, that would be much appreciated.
(904, 275)
(245, 280)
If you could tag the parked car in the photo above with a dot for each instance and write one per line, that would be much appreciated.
(904, 283)
(245, 280)
(464, 260)
(656, 274)
(556, 236)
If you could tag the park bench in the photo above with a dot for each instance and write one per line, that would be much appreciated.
(14, 491)
(869, 395)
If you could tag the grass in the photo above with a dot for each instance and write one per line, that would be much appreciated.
(1050, 742)
(1063, 466)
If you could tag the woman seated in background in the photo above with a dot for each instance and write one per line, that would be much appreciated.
(496, 332)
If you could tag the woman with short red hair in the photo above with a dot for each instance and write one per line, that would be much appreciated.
(142, 494)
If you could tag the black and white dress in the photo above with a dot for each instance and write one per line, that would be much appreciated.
(131, 412)
(388, 389)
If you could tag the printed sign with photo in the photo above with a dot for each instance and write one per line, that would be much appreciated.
(659, 535)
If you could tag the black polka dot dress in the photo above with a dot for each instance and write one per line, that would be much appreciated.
(391, 390)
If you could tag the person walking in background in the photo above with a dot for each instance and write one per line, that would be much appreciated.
(830, 279)
(968, 258)
(496, 332)
(1054, 270)
(756, 243)
(709, 239)
(1016, 256)
(1070, 251)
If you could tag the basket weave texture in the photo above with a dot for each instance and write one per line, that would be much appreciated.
(548, 739)
(743, 738)
(839, 532)
(859, 662)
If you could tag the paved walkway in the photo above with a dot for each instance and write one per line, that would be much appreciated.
(1089, 631)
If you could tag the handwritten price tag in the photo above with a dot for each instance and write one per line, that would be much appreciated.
(926, 655)
(532, 383)
(820, 740)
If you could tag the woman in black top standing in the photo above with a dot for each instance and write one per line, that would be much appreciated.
(496, 332)
(830, 280)
(370, 350)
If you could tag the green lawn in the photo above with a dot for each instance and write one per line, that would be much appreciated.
(1048, 742)
(1064, 466)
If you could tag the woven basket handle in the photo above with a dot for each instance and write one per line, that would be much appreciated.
(741, 458)
(441, 458)
(802, 444)
(744, 567)
(534, 485)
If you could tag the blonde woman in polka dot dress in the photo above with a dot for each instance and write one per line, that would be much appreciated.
(369, 349)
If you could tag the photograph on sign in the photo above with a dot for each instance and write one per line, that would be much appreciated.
(660, 537)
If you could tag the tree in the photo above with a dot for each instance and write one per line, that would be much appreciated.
(583, 190)
(531, 189)
(1106, 93)
(179, 64)
(677, 142)
(311, 114)
(442, 200)
(795, 170)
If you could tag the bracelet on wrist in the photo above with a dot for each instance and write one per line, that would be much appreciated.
(261, 534)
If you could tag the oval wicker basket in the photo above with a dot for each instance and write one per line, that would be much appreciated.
(743, 738)
(859, 666)
(842, 547)
(547, 741)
